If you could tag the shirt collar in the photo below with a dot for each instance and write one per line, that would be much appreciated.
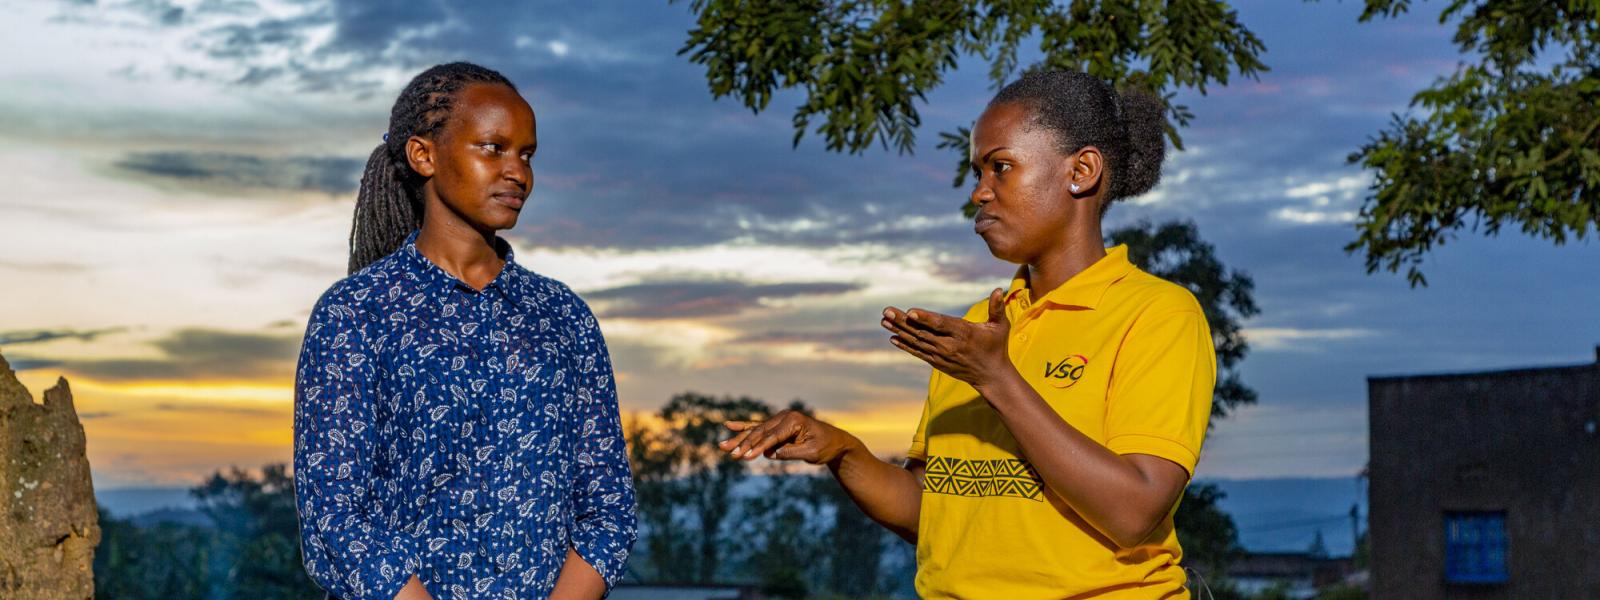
(1084, 289)
(435, 278)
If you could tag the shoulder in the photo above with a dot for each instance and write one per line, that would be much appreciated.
(1149, 295)
(554, 294)
(358, 295)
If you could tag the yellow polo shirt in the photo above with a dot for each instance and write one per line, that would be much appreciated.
(1122, 356)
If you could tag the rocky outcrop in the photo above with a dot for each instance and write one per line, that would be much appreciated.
(48, 523)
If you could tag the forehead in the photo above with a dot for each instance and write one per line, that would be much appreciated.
(1009, 124)
(492, 106)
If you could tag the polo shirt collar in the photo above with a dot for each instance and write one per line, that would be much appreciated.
(1084, 289)
(435, 278)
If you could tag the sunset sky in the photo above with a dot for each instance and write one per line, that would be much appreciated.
(180, 178)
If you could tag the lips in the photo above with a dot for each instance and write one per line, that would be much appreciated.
(510, 199)
(984, 222)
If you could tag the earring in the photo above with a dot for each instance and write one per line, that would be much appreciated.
(1074, 188)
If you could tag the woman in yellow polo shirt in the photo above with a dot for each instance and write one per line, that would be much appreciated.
(1064, 415)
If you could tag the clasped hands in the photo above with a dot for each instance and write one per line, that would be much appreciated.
(975, 353)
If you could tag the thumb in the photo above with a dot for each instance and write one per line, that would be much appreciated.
(997, 306)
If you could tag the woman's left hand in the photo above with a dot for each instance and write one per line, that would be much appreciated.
(972, 352)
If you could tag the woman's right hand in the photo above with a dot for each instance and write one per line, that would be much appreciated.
(789, 435)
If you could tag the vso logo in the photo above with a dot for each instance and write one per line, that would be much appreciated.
(1067, 372)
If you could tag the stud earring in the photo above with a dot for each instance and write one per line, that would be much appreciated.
(1074, 188)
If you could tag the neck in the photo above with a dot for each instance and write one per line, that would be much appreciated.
(461, 250)
(1081, 247)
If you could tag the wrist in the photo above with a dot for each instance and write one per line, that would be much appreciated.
(851, 448)
(995, 381)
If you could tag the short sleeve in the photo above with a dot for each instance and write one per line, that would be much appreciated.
(919, 440)
(1159, 402)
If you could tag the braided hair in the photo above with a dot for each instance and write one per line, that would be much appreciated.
(1081, 110)
(389, 204)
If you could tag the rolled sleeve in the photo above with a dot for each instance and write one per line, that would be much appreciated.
(346, 550)
(604, 524)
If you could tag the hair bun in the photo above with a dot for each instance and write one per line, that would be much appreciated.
(1144, 116)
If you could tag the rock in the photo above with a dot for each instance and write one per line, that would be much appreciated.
(48, 523)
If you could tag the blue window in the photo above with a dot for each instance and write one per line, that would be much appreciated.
(1475, 547)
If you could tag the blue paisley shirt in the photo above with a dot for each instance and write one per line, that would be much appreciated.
(468, 437)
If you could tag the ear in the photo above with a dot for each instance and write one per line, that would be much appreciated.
(1088, 169)
(419, 152)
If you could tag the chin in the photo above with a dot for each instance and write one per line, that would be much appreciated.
(1003, 251)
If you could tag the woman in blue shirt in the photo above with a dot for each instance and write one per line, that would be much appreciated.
(456, 421)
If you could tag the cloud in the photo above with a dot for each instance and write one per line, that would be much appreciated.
(34, 336)
(846, 340)
(689, 299)
(199, 354)
(26, 363)
(331, 175)
(216, 408)
(1302, 340)
(46, 267)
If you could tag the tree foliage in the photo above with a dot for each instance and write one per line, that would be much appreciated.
(247, 545)
(1208, 535)
(863, 65)
(1512, 137)
(685, 484)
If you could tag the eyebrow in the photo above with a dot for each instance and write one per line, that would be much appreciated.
(991, 152)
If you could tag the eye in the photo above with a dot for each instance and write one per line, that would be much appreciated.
(492, 147)
(1001, 167)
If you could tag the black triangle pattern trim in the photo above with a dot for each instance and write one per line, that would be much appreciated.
(1009, 477)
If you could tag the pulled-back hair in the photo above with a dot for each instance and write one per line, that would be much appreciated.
(1081, 110)
(389, 205)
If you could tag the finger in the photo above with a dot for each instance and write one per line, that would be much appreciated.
(905, 329)
(805, 452)
(938, 323)
(779, 433)
(735, 444)
(937, 362)
(997, 306)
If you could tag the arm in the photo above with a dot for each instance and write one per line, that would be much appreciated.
(346, 550)
(889, 494)
(1125, 496)
(578, 580)
(603, 528)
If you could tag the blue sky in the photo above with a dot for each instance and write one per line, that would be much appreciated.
(182, 175)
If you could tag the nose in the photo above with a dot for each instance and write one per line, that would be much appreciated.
(981, 194)
(520, 172)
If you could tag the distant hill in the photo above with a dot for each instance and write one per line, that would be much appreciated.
(1284, 515)
(129, 502)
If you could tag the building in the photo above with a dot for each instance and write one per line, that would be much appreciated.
(1486, 485)
(1298, 575)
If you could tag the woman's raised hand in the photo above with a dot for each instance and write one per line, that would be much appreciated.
(971, 352)
(789, 435)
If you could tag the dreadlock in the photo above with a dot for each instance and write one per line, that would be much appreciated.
(1081, 110)
(389, 205)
